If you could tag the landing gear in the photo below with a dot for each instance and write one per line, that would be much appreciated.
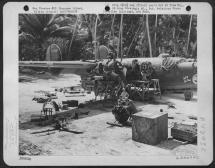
(188, 95)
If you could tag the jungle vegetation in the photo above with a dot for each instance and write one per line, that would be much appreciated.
(126, 35)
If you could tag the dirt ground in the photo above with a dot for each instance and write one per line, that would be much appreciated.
(98, 138)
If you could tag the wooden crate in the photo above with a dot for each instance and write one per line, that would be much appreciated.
(184, 132)
(150, 127)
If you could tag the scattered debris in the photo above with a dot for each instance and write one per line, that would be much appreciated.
(114, 124)
(118, 124)
(171, 105)
(170, 117)
(40, 99)
(48, 130)
(70, 103)
(192, 117)
(44, 96)
(51, 95)
(59, 89)
(73, 91)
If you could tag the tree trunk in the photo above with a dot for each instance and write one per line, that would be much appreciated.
(73, 34)
(133, 40)
(143, 53)
(148, 35)
(111, 30)
(121, 31)
(156, 20)
(118, 47)
(173, 37)
(95, 40)
(188, 38)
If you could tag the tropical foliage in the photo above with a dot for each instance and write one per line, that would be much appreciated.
(78, 36)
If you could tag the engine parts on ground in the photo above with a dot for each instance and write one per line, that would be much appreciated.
(61, 124)
(44, 96)
(143, 90)
(171, 105)
(51, 95)
(184, 132)
(123, 112)
(192, 117)
(70, 103)
(40, 99)
(73, 89)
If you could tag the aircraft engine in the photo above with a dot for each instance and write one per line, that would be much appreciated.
(121, 114)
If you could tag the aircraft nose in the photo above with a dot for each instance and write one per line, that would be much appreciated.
(187, 66)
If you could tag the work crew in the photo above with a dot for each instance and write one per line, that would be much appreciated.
(134, 73)
(113, 69)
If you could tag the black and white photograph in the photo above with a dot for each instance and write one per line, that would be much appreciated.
(108, 85)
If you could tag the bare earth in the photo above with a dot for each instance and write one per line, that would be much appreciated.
(98, 137)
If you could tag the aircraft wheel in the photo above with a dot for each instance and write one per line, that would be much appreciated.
(188, 95)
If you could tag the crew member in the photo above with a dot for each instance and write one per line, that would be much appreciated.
(112, 69)
(135, 70)
(146, 71)
(123, 98)
(125, 101)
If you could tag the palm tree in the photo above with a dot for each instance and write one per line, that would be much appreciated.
(148, 35)
(41, 26)
(45, 27)
(188, 37)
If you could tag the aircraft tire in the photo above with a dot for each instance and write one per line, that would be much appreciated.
(188, 95)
